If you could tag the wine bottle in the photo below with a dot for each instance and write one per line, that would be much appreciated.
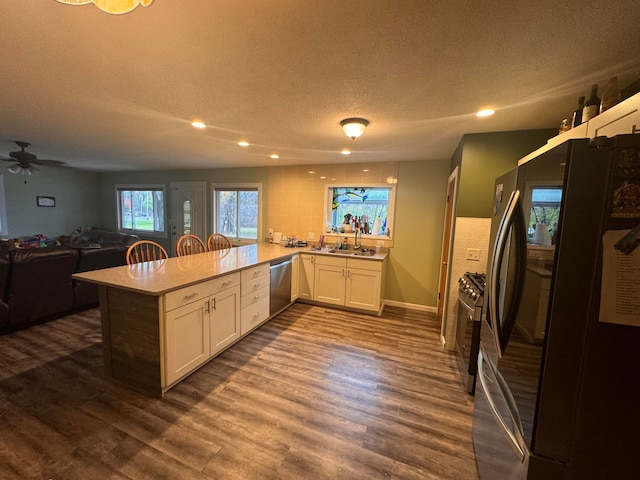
(577, 113)
(610, 95)
(592, 105)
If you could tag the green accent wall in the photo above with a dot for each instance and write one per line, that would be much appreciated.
(77, 202)
(413, 264)
(484, 156)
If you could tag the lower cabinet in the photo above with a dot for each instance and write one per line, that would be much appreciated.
(295, 277)
(199, 321)
(306, 272)
(330, 279)
(349, 282)
(256, 284)
(364, 286)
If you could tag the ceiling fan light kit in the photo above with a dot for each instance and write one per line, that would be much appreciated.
(354, 127)
(24, 161)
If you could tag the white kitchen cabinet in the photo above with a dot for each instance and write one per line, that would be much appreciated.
(224, 319)
(621, 119)
(255, 291)
(330, 280)
(364, 284)
(186, 340)
(295, 277)
(350, 282)
(199, 321)
(306, 276)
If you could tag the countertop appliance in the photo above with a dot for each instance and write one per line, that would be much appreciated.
(470, 301)
(566, 406)
(280, 286)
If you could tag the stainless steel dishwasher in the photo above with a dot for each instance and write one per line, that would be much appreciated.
(280, 291)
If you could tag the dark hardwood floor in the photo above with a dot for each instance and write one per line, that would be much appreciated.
(315, 393)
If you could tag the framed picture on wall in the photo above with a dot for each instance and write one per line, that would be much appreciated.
(46, 201)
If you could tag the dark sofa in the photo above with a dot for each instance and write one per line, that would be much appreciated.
(36, 283)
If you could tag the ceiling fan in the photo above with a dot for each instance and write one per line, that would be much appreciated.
(25, 161)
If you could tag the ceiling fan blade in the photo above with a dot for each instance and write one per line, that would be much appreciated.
(50, 163)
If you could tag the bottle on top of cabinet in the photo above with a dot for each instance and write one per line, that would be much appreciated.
(577, 113)
(592, 105)
(610, 95)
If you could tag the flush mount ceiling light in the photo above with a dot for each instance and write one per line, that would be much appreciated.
(487, 112)
(111, 6)
(354, 127)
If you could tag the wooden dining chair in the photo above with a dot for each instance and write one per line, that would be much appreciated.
(188, 244)
(218, 241)
(145, 251)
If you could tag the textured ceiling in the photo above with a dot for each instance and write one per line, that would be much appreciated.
(117, 92)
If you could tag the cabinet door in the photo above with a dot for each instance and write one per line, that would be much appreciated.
(186, 340)
(329, 283)
(363, 289)
(225, 318)
(295, 277)
(306, 283)
(621, 119)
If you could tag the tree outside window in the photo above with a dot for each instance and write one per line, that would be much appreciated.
(141, 209)
(237, 212)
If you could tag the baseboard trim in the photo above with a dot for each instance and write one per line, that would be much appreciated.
(411, 306)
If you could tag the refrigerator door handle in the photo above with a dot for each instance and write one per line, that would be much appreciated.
(502, 322)
(513, 441)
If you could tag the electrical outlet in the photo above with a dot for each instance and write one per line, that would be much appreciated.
(311, 236)
(270, 235)
(473, 254)
(380, 243)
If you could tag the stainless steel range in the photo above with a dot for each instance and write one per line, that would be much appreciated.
(470, 302)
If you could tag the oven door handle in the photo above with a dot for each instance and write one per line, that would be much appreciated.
(470, 308)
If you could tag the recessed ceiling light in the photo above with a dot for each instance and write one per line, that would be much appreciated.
(243, 143)
(312, 171)
(365, 170)
(198, 124)
(275, 156)
(487, 112)
(346, 152)
(322, 177)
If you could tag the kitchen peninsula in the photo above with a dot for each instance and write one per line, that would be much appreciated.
(162, 320)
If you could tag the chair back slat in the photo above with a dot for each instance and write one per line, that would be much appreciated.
(189, 244)
(218, 241)
(145, 251)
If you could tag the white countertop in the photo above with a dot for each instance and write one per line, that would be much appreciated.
(162, 276)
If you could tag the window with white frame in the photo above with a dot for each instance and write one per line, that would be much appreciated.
(4, 229)
(141, 209)
(370, 206)
(237, 210)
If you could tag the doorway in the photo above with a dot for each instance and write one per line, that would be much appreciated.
(445, 255)
(188, 210)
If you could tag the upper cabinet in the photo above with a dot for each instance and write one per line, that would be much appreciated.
(621, 119)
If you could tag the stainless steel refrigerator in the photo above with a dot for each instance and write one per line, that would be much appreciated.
(558, 390)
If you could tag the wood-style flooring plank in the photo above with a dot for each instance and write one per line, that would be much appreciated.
(315, 393)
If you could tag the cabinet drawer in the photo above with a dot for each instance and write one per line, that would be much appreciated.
(254, 296)
(254, 315)
(255, 284)
(365, 264)
(255, 272)
(199, 291)
(331, 261)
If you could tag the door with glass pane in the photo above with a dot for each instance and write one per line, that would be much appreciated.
(188, 212)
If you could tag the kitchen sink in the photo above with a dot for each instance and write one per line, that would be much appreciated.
(357, 253)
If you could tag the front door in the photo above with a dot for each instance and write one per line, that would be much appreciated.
(188, 210)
